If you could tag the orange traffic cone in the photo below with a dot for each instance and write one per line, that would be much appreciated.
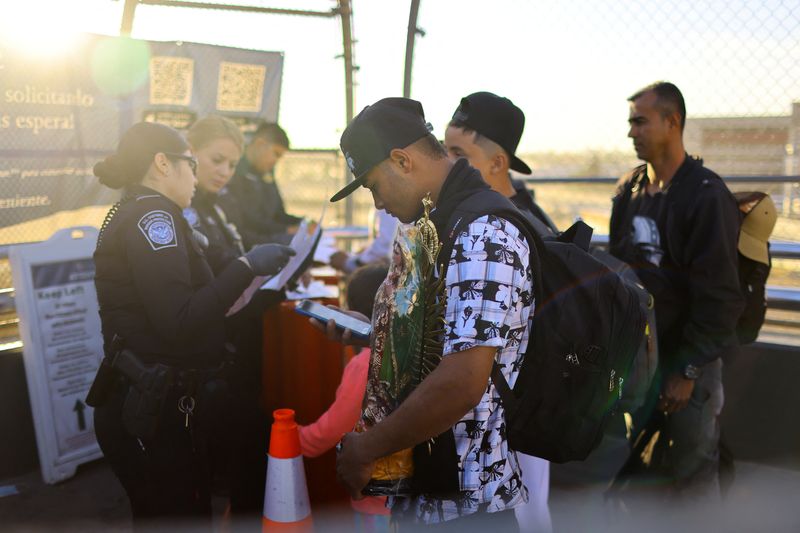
(286, 505)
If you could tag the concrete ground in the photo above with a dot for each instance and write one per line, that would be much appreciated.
(92, 500)
(762, 499)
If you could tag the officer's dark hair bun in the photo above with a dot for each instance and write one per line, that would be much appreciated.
(137, 147)
(111, 173)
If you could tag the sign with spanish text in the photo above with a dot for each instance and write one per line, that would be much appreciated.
(62, 114)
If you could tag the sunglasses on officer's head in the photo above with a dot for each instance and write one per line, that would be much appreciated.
(188, 158)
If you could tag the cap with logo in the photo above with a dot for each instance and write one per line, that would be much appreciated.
(759, 220)
(497, 119)
(376, 131)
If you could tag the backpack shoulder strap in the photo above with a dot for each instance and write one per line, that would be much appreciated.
(489, 202)
(505, 392)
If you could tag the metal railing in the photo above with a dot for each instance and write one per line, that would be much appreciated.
(780, 298)
(597, 180)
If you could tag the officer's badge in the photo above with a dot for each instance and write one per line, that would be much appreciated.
(191, 216)
(159, 229)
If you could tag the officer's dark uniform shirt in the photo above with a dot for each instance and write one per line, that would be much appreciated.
(155, 287)
(256, 208)
(224, 242)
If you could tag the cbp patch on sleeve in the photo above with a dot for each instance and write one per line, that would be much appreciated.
(159, 229)
(191, 216)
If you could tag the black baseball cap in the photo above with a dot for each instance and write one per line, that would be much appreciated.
(496, 118)
(376, 131)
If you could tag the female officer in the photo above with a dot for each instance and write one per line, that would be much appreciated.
(162, 312)
(218, 144)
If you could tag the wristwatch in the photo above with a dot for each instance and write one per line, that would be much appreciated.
(691, 372)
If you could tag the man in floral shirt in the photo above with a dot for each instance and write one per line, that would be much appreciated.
(488, 304)
(489, 301)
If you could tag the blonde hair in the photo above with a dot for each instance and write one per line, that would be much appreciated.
(214, 127)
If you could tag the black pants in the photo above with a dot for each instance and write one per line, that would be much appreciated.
(168, 478)
(250, 421)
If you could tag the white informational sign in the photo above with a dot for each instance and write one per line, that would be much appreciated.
(60, 329)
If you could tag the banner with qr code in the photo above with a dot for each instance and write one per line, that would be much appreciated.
(61, 115)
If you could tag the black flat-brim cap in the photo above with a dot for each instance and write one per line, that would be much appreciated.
(496, 118)
(376, 131)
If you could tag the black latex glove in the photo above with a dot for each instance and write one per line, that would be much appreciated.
(268, 259)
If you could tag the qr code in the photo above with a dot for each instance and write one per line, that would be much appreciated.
(241, 87)
(171, 80)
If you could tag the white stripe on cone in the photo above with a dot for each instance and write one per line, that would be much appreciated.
(286, 493)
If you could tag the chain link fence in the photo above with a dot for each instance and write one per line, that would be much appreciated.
(737, 62)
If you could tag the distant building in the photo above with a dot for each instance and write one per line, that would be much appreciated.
(747, 146)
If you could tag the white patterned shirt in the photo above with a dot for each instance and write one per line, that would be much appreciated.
(489, 301)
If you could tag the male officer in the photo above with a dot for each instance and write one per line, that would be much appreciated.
(252, 200)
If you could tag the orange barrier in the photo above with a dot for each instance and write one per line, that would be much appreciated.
(301, 370)
(286, 504)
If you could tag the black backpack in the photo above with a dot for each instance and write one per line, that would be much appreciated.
(586, 330)
(752, 279)
(645, 363)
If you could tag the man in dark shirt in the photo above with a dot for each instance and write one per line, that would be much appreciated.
(485, 130)
(252, 200)
(677, 224)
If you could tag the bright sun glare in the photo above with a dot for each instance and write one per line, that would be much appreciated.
(40, 29)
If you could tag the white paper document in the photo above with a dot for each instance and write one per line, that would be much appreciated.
(303, 243)
(325, 249)
(315, 289)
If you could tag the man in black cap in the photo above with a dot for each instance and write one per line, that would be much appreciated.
(391, 152)
(485, 130)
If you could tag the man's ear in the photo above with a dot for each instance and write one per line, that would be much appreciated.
(500, 163)
(674, 120)
(401, 158)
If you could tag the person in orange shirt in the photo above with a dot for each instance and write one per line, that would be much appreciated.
(340, 418)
